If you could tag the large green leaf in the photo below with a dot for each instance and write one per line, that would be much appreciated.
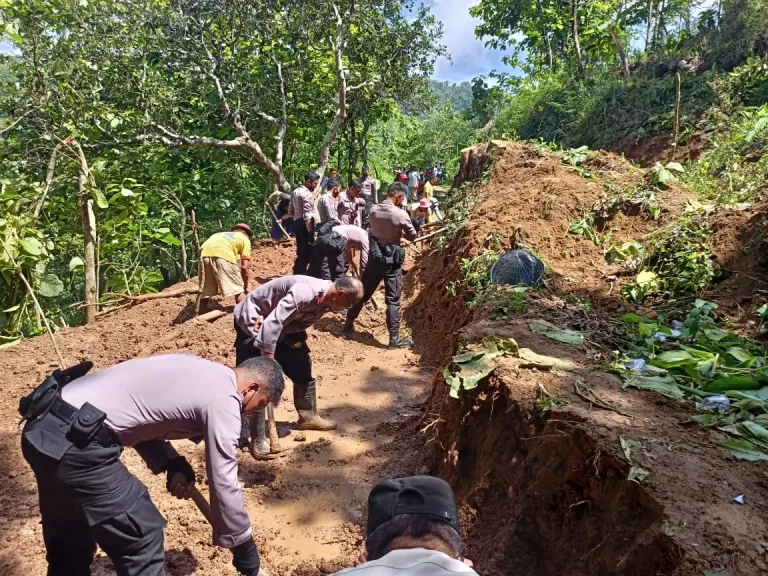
(664, 385)
(98, 196)
(75, 263)
(739, 354)
(31, 246)
(743, 449)
(673, 359)
(732, 383)
(50, 286)
(575, 339)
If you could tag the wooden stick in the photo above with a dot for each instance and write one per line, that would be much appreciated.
(422, 238)
(200, 266)
(211, 316)
(279, 223)
(39, 308)
(110, 310)
(202, 504)
(159, 295)
(677, 118)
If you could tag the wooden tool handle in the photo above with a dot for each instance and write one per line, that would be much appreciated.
(202, 504)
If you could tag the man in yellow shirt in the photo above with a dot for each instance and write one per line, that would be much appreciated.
(428, 192)
(225, 257)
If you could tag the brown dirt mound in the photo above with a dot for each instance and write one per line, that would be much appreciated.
(548, 491)
(533, 190)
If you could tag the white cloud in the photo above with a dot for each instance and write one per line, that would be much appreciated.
(470, 57)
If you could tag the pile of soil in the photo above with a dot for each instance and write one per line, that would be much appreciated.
(534, 190)
(545, 485)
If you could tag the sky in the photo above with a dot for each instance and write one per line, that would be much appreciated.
(470, 57)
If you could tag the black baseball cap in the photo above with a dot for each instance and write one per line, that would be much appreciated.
(423, 495)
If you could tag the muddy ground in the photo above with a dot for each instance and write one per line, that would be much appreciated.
(541, 492)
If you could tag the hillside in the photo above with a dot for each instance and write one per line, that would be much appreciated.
(539, 453)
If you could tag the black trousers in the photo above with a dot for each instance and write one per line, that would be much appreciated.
(374, 273)
(328, 260)
(293, 356)
(304, 241)
(88, 497)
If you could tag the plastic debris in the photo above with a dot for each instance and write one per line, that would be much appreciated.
(636, 364)
(739, 499)
(660, 336)
(719, 403)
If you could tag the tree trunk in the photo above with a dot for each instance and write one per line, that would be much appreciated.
(89, 245)
(649, 29)
(577, 47)
(620, 49)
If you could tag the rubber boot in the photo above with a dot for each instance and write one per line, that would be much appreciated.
(259, 444)
(396, 342)
(349, 328)
(305, 400)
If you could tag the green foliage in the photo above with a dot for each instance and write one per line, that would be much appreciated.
(696, 358)
(662, 174)
(475, 363)
(459, 95)
(677, 263)
(733, 169)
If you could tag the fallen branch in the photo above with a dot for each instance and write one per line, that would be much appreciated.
(110, 310)
(159, 295)
(211, 316)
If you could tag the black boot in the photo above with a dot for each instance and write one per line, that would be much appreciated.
(397, 342)
(349, 328)
(259, 444)
(305, 400)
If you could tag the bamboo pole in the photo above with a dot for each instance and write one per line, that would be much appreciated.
(677, 118)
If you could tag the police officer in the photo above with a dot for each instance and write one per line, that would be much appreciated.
(303, 212)
(272, 322)
(333, 251)
(389, 223)
(77, 426)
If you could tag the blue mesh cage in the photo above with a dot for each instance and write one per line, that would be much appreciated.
(516, 268)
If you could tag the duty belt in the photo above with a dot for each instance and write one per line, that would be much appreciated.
(82, 422)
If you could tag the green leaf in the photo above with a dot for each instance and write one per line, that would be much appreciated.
(672, 359)
(743, 449)
(739, 354)
(664, 385)
(676, 166)
(31, 246)
(705, 418)
(50, 286)
(126, 192)
(575, 339)
(98, 196)
(75, 263)
(732, 383)
(630, 318)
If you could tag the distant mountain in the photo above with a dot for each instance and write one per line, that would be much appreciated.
(460, 95)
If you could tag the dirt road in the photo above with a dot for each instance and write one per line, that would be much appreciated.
(306, 507)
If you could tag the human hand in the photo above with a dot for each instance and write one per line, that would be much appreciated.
(180, 487)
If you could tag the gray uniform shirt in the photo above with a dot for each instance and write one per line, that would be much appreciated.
(349, 210)
(327, 207)
(302, 204)
(411, 561)
(171, 397)
(357, 238)
(289, 304)
(389, 223)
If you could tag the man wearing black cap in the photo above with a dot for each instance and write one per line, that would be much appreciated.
(225, 257)
(303, 212)
(413, 528)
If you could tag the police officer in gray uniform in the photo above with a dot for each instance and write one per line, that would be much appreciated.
(389, 223)
(77, 425)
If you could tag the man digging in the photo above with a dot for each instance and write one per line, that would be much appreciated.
(272, 322)
(225, 257)
(77, 426)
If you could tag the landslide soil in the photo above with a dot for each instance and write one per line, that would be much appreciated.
(307, 508)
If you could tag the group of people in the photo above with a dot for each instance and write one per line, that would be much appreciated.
(77, 424)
